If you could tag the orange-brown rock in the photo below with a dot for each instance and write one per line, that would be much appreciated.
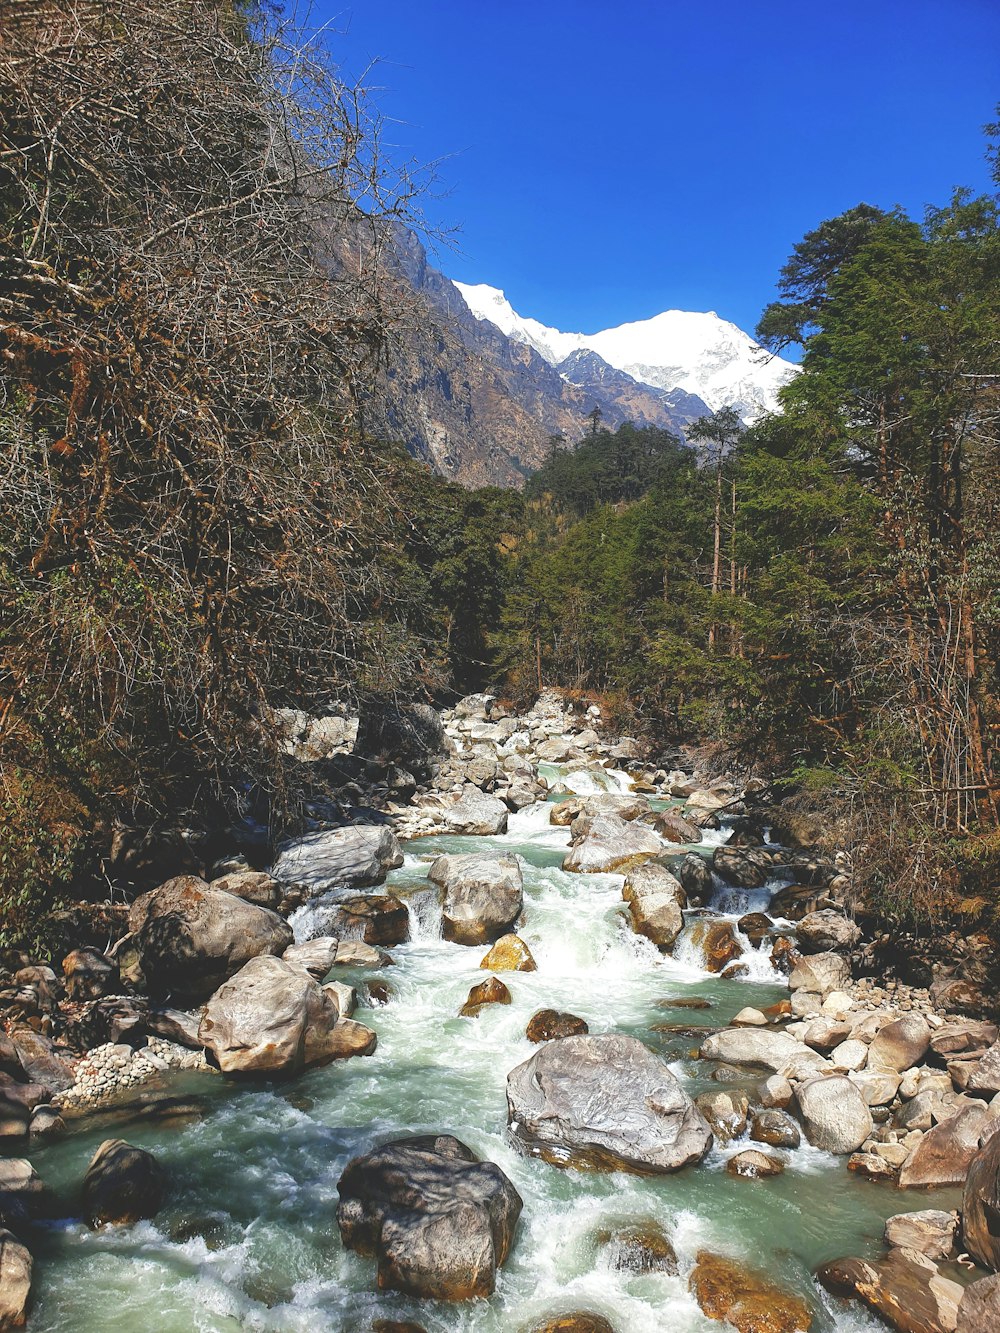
(509, 954)
(749, 1301)
(487, 992)
(550, 1025)
(576, 1321)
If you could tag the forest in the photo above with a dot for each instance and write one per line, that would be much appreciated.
(198, 531)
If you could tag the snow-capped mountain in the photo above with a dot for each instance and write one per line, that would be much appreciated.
(697, 353)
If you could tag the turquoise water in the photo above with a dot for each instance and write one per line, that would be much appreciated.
(249, 1240)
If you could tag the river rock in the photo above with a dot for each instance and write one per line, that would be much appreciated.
(827, 931)
(820, 972)
(749, 1301)
(122, 1185)
(979, 1308)
(192, 938)
(963, 1037)
(640, 1247)
(754, 1165)
(675, 828)
(954, 996)
(21, 1189)
(563, 813)
(437, 1219)
(509, 954)
(981, 1205)
(607, 843)
(487, 992)
(716, 941)
(253, 885)
(355, 953)
(725, 1112)
(943, 1155)
(740, 866)
(551, 1025)
(376, 918)
(475, 812)
(761, 1047)
(344, 997)
(483, 895)
(356, 857)
(904, 1287)
(901, 1044)
(930, 1231)
(655, 899)
(695, 874)
(774, 1128)
(274, 1019)
(15, 1280)
(89, 975)
(985, 1077)
(878, 1089)
(834, 1115)
(755, 926)
(316, 956)
(606, 1102)
(575, 1321)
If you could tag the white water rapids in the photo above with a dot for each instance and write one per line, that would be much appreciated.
(249, 1240)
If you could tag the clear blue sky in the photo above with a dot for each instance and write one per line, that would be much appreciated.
(606, 161)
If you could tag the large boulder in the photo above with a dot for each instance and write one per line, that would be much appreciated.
(15, 1281)
(820, 972)
(483, 896)
(509, 954)
(929, 1231)
(272, 1018)
(827, 931)
(605, 1102)
(760, 1047)
(475, 812)
(411, 736)
(716, 941)
(740, 866)
(563, 813)
(834, 1114)
(979, 1308)
(747, 1300)
(900, 1045)
(123, 1184)
(695, 874)
(607, 843)
(192, 937)
(675, 828)
(656, 901)
(357, 857)
(904, 1287)
(944, 1154)
(437, 1219)
(376, 918)
(981, 1205)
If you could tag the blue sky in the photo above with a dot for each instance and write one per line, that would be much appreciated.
(603, 162)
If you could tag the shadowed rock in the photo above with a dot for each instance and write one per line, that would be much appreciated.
(122, 1185)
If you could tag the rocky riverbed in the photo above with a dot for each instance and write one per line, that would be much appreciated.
(558, 1035)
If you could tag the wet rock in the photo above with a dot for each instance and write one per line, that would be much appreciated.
(820, 972)
(725, 1112)
(773, 1127)
(795, 901)
(900, 1045)
(376, 918)
(378, 992)
(551, 1025)
(784, 956)
(981, 1205)
(475, 812)
(641, 1247)
(575, 1321)
(437, 1219)
(775, 1092)
(944, 1154)
(193, 938)
(255, 886)
(316, 956)
(905, 1288)
(46, 1123)
(21, 1190)
(607, 843)
(123, 1185)
(762, 1047)
(979, 1308)
(725, 1289)
(483, 896)
(756, 926)
(355, 953)
(655, 900)
(15, 1280)
(356, 857)
(827, 931)
(89, 975)
(684, 1002)
(344, 997)
(754, 1165)
(739, 866)
(273, 1019)
(716, 941)
(563, 813)
(604, 1102)
(735, 972)
(675, 828)
(487, 992)
(930, 1231)
(509, 954)
(834, 1115)
(695, 874)
(872, 1167)
(749, 1017)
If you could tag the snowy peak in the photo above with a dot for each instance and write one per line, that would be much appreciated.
(697, 353)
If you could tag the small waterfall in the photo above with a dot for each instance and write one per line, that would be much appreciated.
(424, 908)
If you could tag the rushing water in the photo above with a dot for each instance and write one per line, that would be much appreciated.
(249, 1239)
